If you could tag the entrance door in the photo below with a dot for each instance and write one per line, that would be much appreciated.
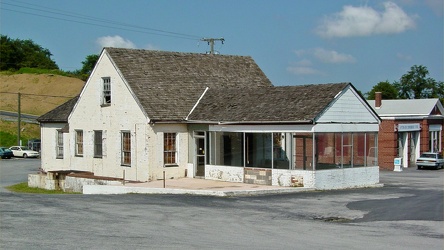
(200, 154)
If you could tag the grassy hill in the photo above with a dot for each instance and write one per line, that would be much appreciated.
(40, 94)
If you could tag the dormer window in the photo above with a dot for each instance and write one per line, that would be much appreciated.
(106, 91)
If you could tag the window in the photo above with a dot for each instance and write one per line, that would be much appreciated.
(98, 143)
(79, 142)
(59, 147)
(435, 141)
(169, 148)
(106, 91)
(126, 148)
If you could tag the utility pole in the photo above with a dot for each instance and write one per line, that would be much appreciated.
(19, 119)
(211, 42)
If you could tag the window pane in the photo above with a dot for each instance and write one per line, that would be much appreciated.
(59, 144)
(326, 156)
(281, 155)
(79, 142)
(98, 143)
(169, 148)
(303, 151)
(258, 148)
(126, 148)
(227, 149)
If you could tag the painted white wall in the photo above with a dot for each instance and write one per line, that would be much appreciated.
(224, 173)
(322, 179)
(48, 154)
(123, 114)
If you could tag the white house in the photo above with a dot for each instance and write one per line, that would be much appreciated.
(145, 113)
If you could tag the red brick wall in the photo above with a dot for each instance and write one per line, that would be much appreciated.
(387, 144)
(388, 137)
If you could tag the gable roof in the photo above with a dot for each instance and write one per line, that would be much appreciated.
(275, 104)
(59, 114)
(407, 107)
(168, 84)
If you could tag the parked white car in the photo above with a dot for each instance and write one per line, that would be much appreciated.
(21, 151)
(433, 160)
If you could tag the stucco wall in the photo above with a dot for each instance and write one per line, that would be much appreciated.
(48, 154)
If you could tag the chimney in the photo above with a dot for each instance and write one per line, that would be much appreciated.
(378, 99)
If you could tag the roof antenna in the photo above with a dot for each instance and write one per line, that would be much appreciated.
(211, 43)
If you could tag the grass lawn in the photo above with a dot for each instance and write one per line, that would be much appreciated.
(23, 188)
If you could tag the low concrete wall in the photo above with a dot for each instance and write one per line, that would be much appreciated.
(42, 181)
(75, 184)
(224, 173)
(320, 179)
(347, 178)
(69, 183)
(293, 178)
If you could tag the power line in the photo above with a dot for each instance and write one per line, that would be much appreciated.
(141, 29)
(58, 96)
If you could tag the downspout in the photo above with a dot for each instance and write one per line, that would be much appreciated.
(195, 105)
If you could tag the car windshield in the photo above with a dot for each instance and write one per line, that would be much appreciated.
(428, 156)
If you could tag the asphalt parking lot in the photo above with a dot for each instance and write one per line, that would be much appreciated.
(407, 213)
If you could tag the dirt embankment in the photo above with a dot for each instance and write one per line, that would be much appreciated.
(39, 93)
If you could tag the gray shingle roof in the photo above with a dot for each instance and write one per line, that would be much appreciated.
(273, 104)
(168, 84)
(59, 114)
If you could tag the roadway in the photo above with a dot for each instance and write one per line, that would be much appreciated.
(407, 213)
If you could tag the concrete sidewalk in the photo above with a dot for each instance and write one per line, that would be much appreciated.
(192, 186)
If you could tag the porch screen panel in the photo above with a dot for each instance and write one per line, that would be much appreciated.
(226, 149)
(258, 148)
(281, 152)
(325, 150)
(372, 149)
(359, 148)
(303, 157)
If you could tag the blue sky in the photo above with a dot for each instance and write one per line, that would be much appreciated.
(294, 41)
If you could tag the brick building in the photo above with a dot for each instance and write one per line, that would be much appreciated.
(408, 128)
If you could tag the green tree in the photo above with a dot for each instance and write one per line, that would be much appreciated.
(16, 54)
(88, 64)
(416, 84)
(388, 91)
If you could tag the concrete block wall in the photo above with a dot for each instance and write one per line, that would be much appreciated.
(259, 176)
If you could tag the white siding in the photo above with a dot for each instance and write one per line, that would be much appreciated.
(347, 108)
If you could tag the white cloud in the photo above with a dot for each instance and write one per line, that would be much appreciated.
(366, 21)
(404, 57)
(331, 56)
(115, 41)
(303, 67)
(303, 70)
(151, 47)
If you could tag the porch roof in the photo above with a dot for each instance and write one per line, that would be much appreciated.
(297, 104)
(59, 114)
